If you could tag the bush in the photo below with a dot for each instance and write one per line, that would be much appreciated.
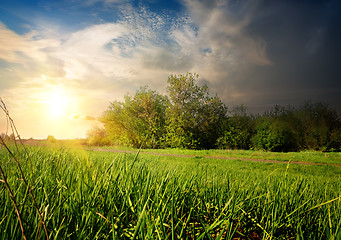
(238, 131)
(97, 137)
(335, 141)
(276, 136)
(321, 126)
(51, 139)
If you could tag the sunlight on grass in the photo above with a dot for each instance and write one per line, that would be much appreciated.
(105, 195)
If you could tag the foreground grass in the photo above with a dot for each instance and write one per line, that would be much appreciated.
(104, 195)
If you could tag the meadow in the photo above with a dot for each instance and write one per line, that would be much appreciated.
(86, 194)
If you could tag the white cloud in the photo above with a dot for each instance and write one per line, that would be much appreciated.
(22, 49)
(103, 62)
(225, 31)
(87, 50)
(143, 48)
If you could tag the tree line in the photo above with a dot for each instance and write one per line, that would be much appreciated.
(189, 117)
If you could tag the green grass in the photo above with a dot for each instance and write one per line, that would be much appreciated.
(105, 195)
(305, 156)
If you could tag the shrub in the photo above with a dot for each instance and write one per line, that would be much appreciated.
(239, 130)
(276, 136)
(51, 139)
(97, 137)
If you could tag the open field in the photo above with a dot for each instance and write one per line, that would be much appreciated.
(304, 157)
(84, 194)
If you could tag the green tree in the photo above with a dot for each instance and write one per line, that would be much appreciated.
(278, 130)
(97, 136)
(335, 140)
(310, 126)
(239, 130)
(51, 139)
(194, 118)
(114, 120)
(139, 120)
(321, 126)
(274, 135)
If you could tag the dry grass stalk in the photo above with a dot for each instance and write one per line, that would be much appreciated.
(4, 180)
(16, 135)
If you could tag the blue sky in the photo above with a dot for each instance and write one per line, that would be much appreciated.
(90, 52)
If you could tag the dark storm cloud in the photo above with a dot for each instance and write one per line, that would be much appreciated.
(303, 44)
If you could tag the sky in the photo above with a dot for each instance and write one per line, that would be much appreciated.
(63, 62)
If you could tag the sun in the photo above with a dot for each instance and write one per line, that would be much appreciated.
(57, 103)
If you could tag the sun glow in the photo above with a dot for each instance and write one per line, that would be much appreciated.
(57, 103)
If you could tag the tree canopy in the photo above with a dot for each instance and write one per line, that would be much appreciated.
(138, 121)
(189, 117)
(194, 118)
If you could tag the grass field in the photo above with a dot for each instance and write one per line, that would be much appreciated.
(303, 156)
(84, 194)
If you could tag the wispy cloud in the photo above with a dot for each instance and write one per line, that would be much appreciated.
(15, 48)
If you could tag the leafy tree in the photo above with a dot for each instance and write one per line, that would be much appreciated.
(320, 126)
(311, 126)
(335, 140)
(115, 121)
(278, 130)
(51, 139)
(287, 122)
(194, 118)
(139, 120)
(275, 135)
(97, 137)
(239, 130)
